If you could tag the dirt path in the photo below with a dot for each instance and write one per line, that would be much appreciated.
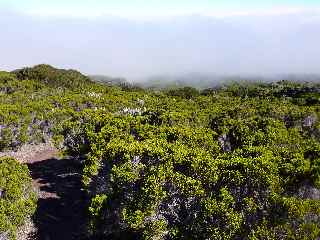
(60, 213)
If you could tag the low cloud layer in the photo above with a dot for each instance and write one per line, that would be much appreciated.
(249, 44)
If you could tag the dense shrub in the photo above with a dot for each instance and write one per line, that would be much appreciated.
(53, 77)
(185, 92)
(17, 199)
(241, 161)
(168, 182)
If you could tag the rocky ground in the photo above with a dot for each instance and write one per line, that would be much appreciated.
(33, 153)
(60, 212)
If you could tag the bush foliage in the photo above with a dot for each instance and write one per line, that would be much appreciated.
(17, 199)
(240, 161)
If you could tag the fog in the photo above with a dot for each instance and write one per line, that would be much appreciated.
(137, 49)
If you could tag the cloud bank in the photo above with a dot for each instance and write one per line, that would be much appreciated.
(276, 41)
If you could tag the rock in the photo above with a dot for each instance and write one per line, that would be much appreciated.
(309, 121)
(4, 236)
(307, 191)
(2, 193)
(225, 143)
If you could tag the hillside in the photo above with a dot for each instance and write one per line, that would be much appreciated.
(53, 77)
(239, 160)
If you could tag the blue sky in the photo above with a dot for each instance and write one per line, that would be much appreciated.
(156, 8)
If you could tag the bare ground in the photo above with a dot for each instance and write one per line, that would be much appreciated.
(60, 213)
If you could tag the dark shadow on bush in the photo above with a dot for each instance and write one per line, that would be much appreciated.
(61, 208)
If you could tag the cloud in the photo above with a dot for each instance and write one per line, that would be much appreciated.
(150, 14)
(239, 44)
(155, 9)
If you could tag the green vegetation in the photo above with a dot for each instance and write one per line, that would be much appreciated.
(235, 162)
(53, 77)
(17, 200)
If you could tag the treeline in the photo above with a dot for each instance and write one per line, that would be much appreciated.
(240, 161)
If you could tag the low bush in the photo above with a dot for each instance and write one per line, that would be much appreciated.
(177, 182)
(17, 199)
(227, 163)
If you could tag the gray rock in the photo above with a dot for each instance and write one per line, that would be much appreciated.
(309, 121)
(225, 143)
(2, 193)
(309, 192)
(4, 236)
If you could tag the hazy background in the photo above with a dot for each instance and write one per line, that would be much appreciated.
(161, 39)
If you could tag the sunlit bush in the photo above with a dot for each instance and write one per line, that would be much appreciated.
(17, 199)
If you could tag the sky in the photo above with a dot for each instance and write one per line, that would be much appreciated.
(140, 38)
(155, 8)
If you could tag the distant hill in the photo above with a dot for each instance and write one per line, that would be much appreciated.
(108, 80)
(53, 76)
(203, 80)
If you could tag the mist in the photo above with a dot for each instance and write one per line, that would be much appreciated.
(138, 49)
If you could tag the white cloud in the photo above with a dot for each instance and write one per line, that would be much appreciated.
(149, 14)
(282, 40)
